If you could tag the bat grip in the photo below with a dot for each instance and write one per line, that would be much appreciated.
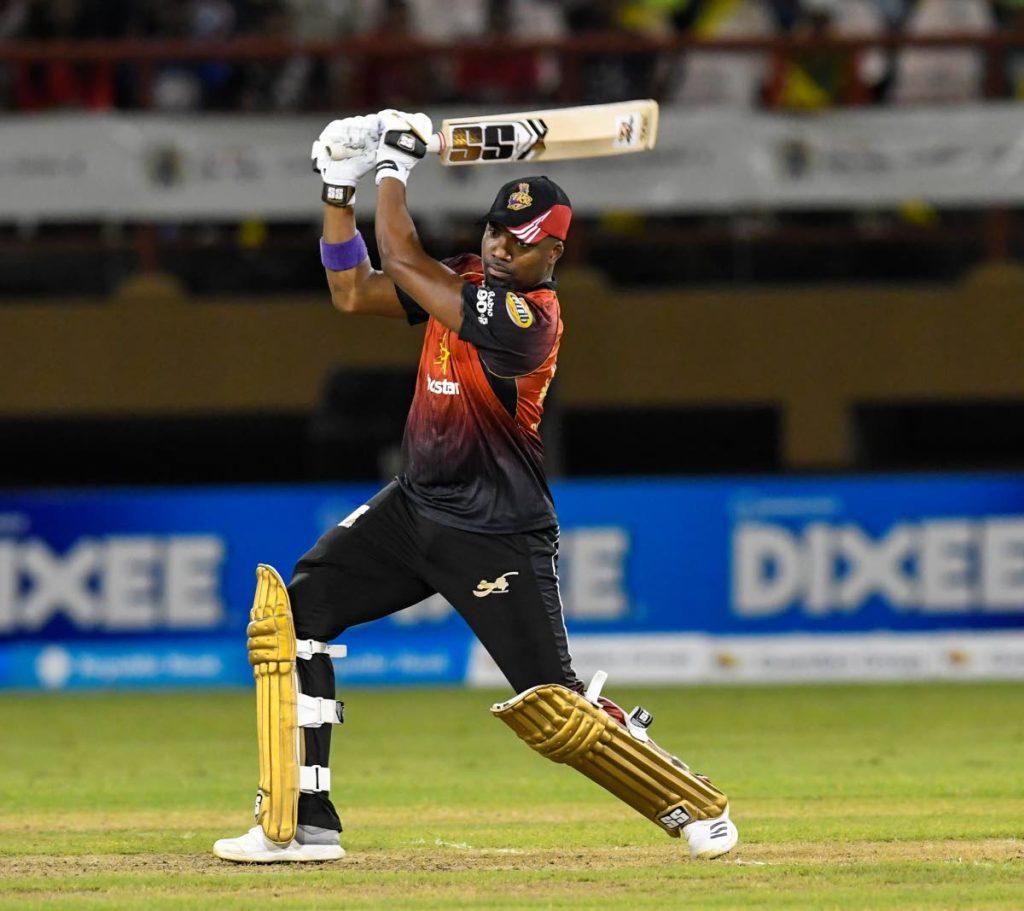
(435, 144)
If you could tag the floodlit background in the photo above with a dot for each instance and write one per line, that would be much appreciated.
(788, 426)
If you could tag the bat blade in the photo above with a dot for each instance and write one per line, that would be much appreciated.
(589, 131)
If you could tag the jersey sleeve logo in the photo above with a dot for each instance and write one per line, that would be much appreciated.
(518, 310)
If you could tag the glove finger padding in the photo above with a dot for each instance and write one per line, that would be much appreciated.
(353, 131)
(352, 134)
(316, 155)
(342, 154)
(403, 143)
(418, 123)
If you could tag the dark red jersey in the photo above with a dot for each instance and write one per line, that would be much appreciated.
(472, 454)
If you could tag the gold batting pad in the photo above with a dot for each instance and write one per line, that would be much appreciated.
(271, 645)
(565, 727)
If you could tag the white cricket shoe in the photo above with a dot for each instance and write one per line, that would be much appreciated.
(310, 843)
(709, 838)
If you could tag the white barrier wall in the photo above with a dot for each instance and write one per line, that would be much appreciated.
(124, 166)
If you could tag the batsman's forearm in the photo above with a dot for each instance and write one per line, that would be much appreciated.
(339, 227)
(431, 284)
(397, 240)
(339, 224)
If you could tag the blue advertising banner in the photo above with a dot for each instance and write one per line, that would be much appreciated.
(752, 578)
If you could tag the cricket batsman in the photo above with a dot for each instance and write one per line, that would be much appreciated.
(470, 515)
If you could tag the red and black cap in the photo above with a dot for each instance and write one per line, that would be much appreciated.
(532, 208)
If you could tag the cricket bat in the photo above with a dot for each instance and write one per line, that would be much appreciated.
(588, 131)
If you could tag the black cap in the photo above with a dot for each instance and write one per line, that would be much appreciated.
(532, 208)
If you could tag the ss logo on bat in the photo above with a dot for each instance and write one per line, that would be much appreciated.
(493, 142)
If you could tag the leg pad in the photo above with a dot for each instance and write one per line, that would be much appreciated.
(281, 709)
(565, 727)
(271, 645)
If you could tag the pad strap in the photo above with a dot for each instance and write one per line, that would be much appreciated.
(315, 711)
(307, 648)
(314, 778)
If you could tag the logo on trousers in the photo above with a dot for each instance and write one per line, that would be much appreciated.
(498, 587)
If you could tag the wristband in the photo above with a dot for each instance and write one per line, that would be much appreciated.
(388, 168)
(342, 197)
(346, 255)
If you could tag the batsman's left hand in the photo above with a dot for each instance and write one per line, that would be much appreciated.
(345, 151)
(403, 143)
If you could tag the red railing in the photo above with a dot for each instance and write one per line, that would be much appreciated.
(571, 53)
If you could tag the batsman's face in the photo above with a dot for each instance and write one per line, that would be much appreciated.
(512, 263)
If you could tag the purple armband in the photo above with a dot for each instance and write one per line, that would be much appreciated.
(346, 255)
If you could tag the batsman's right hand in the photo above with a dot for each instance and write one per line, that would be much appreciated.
(403, 143)
(345, 151)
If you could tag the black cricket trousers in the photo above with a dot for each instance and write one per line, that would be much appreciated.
(386, 557)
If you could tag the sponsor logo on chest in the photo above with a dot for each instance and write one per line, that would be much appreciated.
(518, 311)
(484, 305)
(442, 387)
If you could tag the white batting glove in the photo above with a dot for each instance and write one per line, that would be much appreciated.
(403, 142)
(345, 151)
(351, 135)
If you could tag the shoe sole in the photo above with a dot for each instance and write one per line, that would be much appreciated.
(309, 854)
(716, 851)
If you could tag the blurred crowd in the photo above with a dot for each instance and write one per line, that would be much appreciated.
(377, 73)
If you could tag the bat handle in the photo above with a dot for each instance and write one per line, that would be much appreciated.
(436, 144)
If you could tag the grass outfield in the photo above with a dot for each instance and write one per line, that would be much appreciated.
(902, 797)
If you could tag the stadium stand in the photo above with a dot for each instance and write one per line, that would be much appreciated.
(754, 58)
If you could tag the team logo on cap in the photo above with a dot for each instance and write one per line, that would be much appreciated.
(521, 199)
(518, 310)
